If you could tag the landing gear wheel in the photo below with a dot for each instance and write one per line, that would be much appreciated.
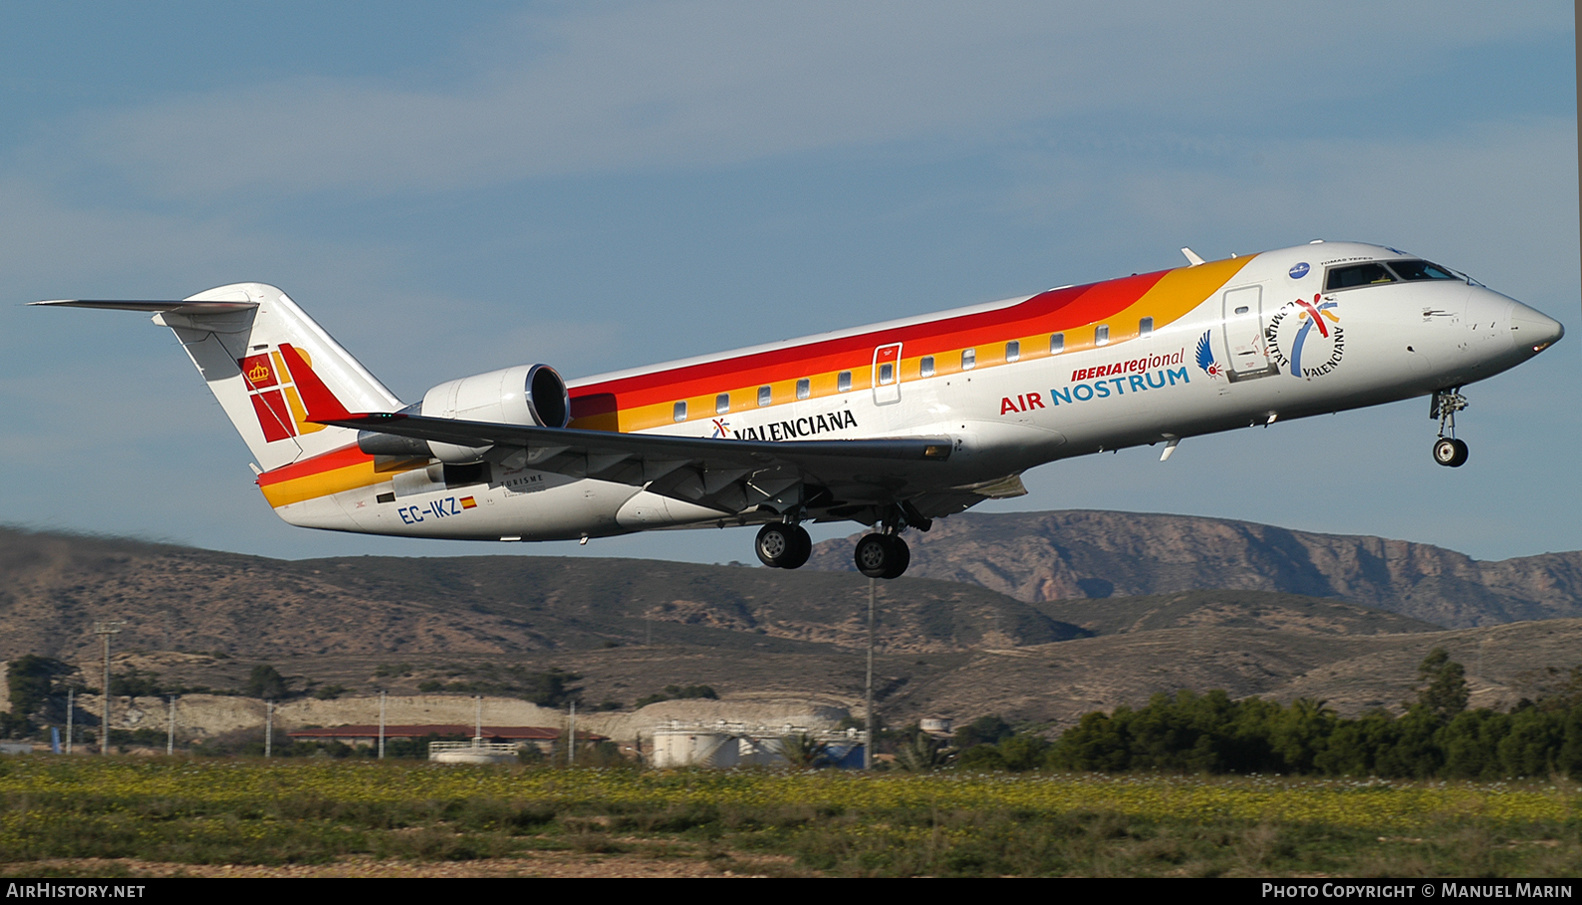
(882, 556)
(773, 543)
(903, 558)
(800, 551)
(781, 546)
(873, 555)
(1450, 452)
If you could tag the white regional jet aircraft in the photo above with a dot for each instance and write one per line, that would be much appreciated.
(891, 425)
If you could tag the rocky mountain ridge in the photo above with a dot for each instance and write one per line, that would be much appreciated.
(1043, 556)
(1038, 617)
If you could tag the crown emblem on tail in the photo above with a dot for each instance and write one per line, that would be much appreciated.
(259, 373)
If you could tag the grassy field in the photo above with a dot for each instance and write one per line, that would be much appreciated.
(130, 816)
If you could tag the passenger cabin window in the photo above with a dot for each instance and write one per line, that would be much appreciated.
(843, 382)
(969, 359)
(722, 403)
(764, 395)
(1145, 326)
(1354, 275)
(886, 373)
(1057, 343)
(680, 412)
(926, 366)
(1101, 335)
(1013, 350)
(804, 388)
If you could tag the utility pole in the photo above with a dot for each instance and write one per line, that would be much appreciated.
(104, 630)
(71, 708)
(269, 728)
(867, 748)
(381, 724)
(170, 728)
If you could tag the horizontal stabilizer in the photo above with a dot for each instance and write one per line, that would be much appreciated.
(239, 336)
(165, 307)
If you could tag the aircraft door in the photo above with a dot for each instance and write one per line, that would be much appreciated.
(1244, 342)
(887, 374)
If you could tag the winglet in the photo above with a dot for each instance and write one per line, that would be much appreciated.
(321, 404)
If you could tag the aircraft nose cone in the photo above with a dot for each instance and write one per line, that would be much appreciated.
(1534, 330)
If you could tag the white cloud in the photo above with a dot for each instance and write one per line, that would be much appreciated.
(1486, 195)
(699, 84)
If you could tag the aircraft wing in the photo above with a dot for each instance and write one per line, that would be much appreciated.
(731, 476)
(728, 475)
(545, 442)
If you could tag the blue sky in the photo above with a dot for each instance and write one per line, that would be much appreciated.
(452, 188)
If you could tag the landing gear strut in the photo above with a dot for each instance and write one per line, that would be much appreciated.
(783, 546)
(1448, 451)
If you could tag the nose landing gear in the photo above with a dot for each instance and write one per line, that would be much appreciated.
(1448, 451)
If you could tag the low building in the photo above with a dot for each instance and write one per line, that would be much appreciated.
(541, 737)
(723, 743)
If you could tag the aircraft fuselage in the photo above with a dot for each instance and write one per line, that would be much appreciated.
(1234, 343)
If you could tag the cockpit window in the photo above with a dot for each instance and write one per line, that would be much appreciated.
(1421, 270)
(1376, 272)
(1357, 275)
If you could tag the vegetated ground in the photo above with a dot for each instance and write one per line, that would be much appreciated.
(628, 858)
(159, 817)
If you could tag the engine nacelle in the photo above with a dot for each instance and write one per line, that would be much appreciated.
(526, 394)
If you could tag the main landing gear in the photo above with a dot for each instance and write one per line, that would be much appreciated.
(882, 556)
(783, 546)
(1448, 451)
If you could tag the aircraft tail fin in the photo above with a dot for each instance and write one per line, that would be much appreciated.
(255, 348)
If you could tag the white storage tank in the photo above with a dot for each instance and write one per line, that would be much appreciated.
(693, 747)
